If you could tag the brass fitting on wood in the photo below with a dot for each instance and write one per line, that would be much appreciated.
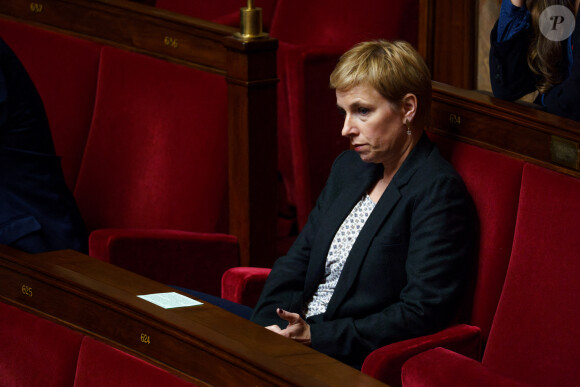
(251, 22)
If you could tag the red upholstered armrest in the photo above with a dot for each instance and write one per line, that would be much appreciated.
(385, 363)
(441, 367)
(244, 284)
(187, 259)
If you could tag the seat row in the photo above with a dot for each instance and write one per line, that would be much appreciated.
(39, 352)
(518, 324)
(143, 144)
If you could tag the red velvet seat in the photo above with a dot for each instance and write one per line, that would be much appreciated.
(64, 70)
(102, 365)
(494, 183)
(534, 339)
(35, 351)
(156, 159)
(312, 37)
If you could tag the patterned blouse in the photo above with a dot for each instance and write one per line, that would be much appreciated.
(337, 255)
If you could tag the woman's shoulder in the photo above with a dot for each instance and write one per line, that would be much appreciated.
(438, 177)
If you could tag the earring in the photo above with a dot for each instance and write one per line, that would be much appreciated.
(408, 125)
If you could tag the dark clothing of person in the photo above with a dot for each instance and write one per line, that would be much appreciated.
(405, 272)
(511, 78)
(37, 210)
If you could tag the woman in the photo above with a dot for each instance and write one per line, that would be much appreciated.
(385, 252)
(523, 60)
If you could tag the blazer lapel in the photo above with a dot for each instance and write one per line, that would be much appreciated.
(359, 249)
(380, 214)
(333, 219)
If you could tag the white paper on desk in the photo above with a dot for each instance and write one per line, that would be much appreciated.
(170, 300)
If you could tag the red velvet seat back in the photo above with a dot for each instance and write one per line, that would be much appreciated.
(493, 180)
(156, 156)
(64, 71)
(342, 24)
(535, 335)
(35, 351)
(102, 365)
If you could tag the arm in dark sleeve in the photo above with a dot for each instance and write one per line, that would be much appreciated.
(441, 250)
(564, 99)
(510, 75)
(284, 287)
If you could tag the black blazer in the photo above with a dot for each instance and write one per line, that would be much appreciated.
(37, 211)
(406, 270)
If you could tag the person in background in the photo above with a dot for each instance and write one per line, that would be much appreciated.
(523, 60)
(388, 248)
(37, 211)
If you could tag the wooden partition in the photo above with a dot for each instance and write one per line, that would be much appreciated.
(446, 40)
(203, 344)
(516, 129)
(248, 66)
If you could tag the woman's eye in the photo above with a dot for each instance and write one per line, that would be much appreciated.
(364, 111)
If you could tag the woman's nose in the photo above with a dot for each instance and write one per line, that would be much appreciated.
(347, 129)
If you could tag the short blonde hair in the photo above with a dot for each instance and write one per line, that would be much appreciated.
(394, 69)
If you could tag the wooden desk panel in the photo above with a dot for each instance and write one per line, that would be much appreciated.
(204, 344)
(514, 129)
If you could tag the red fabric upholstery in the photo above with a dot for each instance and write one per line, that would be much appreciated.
(178, 258)
(493, 181)
(244, 285)
(35, 351)
(308, 123)
(152, 139)
(222, 12)
(312, 36)
(64, 70)
(327, 23)
(385, 364)
(534, 337)
(102, 365)
(441, 367)
(157, 127)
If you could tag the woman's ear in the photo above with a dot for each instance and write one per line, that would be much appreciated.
(409, 106)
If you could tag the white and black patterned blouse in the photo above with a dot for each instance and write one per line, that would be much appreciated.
(337, 254)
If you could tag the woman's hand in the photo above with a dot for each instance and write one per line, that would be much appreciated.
(297, 329)
(518, 3)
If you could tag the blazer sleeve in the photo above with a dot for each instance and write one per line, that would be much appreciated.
(284, 287)
(441, 244)
(510, 76)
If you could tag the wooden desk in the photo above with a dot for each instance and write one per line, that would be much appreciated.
(204, 344)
